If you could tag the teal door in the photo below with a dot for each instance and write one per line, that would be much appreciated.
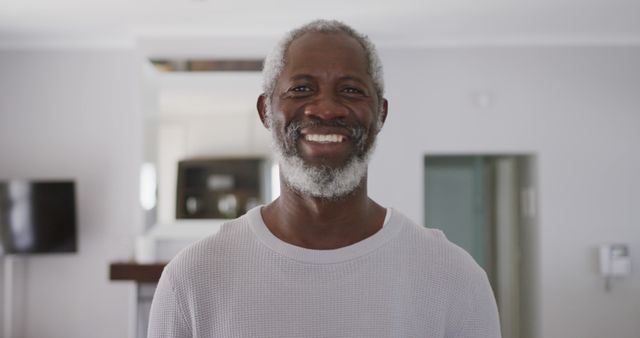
(456, 203)
(476, 202)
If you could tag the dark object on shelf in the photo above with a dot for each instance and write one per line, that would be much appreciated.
(37, 217)
(218, 188)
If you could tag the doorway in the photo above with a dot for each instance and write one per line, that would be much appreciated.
(486, 205)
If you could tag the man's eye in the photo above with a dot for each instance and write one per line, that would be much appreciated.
(300, 89)
(351, 90)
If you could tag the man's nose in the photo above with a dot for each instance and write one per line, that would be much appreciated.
(326, 107)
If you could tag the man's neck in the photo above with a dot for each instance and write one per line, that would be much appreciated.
(323, 224)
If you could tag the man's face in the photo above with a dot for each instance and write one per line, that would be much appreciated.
(325, 113)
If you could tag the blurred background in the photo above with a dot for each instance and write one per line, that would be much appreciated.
(513, 127)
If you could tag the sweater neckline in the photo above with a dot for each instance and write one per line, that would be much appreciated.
(391, 227)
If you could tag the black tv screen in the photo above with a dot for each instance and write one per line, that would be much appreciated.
(37, 217)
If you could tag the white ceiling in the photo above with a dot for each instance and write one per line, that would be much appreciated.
(251, 22)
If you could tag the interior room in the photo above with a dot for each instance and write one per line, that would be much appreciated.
(512, 126)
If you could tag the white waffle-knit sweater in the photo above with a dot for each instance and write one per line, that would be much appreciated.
(403, 281)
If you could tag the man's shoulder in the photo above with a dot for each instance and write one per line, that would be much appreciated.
(431, 247)
(212, 251)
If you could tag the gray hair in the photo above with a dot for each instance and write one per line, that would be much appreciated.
(275, 61)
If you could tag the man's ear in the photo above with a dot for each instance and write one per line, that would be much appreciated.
(261, 105)
(383, 113)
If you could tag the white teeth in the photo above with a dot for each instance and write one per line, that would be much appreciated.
(324, 138)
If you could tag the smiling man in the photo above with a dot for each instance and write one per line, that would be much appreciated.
(323, 260)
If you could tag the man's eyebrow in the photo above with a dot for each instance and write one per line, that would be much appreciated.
(353, 78)
(301, 77)
(342, 78)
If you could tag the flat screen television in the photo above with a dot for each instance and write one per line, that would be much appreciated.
(37, 217)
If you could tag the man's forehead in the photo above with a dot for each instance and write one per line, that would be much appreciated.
(327, 43)
(315, 49)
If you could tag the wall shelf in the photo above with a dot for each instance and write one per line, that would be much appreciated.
(141, 273)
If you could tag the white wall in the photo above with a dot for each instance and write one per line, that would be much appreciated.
(578, 110)
(75, 114)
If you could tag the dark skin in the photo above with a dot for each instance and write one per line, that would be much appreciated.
(325, 78)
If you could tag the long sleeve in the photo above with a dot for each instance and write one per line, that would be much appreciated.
(167, 318)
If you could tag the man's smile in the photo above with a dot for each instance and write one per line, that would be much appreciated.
(318, 146)
(327, 133)
(326, 140)
(322, 138)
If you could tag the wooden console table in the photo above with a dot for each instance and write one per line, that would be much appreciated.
(141, 273)
(146, 277)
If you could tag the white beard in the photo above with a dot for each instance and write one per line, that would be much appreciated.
(319, 181)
